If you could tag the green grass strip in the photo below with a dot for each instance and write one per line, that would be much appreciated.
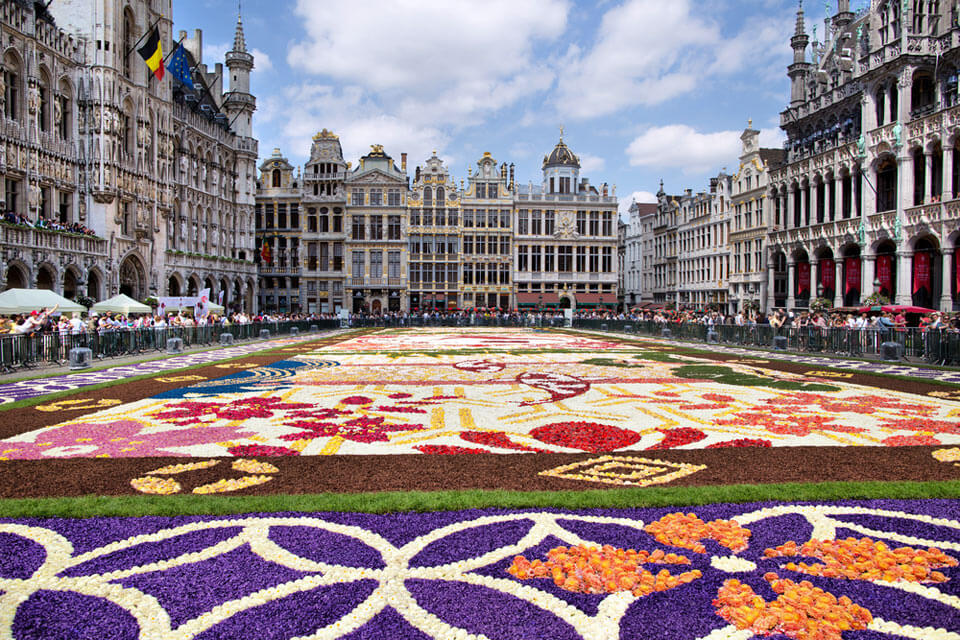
(419, 501)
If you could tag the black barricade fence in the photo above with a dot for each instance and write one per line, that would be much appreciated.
(931, 346)
(18, 351)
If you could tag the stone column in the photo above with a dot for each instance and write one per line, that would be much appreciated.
(905, 170)
(791, 285)
(868, 273)
(788, 212)
(904, 276)
(947, 175)
(839, 284)
(867, 197)
(768, 288)
(928, 177)
(814, 276)
(946, 299)
(836, 190)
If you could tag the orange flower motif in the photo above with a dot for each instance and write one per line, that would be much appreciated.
(801, 611)
(687, 530)
(865, 559)
(593, 570)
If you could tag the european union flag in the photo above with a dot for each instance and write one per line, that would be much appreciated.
(179, 67)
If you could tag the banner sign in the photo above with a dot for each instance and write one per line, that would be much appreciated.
(828, 275)
(803, 279)
(885, 273)
(853, 275)
(921, 272)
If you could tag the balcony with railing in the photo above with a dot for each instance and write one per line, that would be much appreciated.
(27, 238)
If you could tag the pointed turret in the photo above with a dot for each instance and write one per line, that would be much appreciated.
(800, 67)
(239, 103)
(239, 42)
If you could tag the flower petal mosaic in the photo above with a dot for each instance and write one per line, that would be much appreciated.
(504, 391)
(712, 572)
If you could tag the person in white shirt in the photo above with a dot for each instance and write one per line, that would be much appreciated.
(76, 325)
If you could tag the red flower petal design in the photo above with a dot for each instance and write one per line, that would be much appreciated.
(678, 437)
(260, 450)
(496, 439)
(446, 449)
(740, 442)
(586, 436)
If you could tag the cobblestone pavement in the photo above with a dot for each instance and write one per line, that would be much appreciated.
(25, 389)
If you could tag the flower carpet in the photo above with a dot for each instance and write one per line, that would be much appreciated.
(303, 439)
(883, 569)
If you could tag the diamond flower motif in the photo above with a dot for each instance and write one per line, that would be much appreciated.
(631, 471)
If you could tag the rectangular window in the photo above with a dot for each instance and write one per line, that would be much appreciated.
(294, 215)
(565, 259)
(492, 190)
(548, 255)
(324, 256)
(594, 223)
(11, 81)
(607, 266)
(452, 276)
(394, 264)
(415, 244)
(582, 223)
(535, 262)
(536, 222)
(468, 274)
(376, 227)
(523, 263)
(453, 245)
(504, 218)
(481, 218)
(504, 245)
(504, 274)
(481, 188)
(414, 270)
(426, 246)
(439, 273)
(393, 227)
(338, 224)
(481, 243)
(594, 259)
(376, 264)
(452, 217)
(282, 215)
(356, 197)
(312, 224)
(581, 259)
(523, 222)
(376, 198)
(468, 218)
(359, 222)
(428, 217)
(607, 223)
(338, 256)
(468, 245)
(415, 217)
(549, 223)
(393, 197)
(427, 273)
(357, 266)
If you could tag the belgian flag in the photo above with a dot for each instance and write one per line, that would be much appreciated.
(152, 53)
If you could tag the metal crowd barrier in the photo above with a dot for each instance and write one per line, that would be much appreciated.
(25, 351)
(930, 346)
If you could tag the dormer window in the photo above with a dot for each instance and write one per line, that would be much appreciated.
(276, 178)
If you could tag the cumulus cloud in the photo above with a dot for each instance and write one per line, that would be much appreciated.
(624, 202)
(590, 163)
(679, 146)
(214, 53)
(452, 63)
(647, 52)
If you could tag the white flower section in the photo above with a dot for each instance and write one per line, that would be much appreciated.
(732, 564)
(391, 590)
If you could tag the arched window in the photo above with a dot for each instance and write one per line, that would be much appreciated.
(63, 112)
(129, 39)
(880, 104)
(428, 197)
(887, 184)
(919, 176)
(276, 178)
(441, 197)
(922, 93)
(11, 83)
(43, 101)
(894, 103)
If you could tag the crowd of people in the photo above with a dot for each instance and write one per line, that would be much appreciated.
(50, 225)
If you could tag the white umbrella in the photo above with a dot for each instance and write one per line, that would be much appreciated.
(121, 304)
(13, 301)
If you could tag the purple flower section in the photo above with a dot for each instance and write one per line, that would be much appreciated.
(19, 557)
(296, 615)
(387, 624)
(55, 615)
(902, 525)
(676, 614)
(494, 614)
(150, 552)
(471, 543)
(188, 591)
(327, 547)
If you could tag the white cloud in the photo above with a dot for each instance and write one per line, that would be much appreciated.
(449, 65)
(624, 202)
(679, 146)
(261, 61)
(647, 52)
(590, 163)
(214, 53)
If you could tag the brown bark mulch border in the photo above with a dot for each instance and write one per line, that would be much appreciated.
(515, 472)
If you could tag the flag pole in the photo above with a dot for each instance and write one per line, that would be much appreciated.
(146, 33)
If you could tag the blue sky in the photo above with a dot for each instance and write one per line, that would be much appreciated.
(645, 89)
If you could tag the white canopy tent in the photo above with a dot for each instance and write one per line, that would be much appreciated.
(14, 301)
(121, 304)
(214, 308)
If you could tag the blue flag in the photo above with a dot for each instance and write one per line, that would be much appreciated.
(179, 67)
